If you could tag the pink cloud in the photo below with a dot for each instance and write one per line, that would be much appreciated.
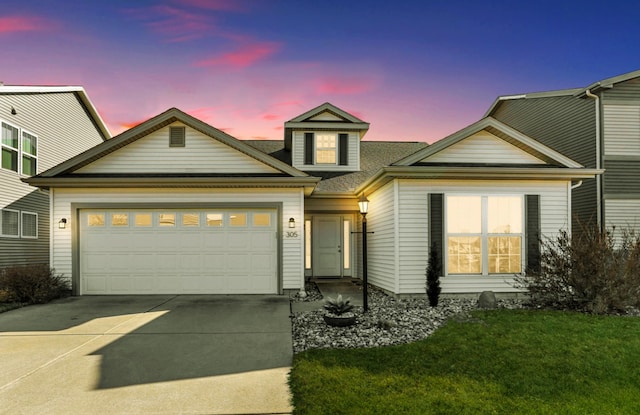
(270, 117)
(13, 24)
(343, 86)
(247, 55)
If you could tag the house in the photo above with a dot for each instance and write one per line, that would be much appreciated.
(175, 205)
(597, 126)
(41, 127)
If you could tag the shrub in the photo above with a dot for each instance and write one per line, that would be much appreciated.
(433, 277)
(592, 271)
(338, 306)
(32, 284)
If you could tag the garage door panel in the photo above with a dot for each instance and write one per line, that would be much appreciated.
(196, 256)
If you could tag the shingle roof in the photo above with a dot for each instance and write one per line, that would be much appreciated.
(373, 156)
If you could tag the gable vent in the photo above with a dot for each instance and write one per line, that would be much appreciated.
(177, 136)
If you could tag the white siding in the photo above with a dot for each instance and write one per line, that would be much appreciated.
(483, 147)
(292, 207)
(201, 154)
(326, 116)
(414, 232)
(381, 252)
(297, 154)
(621, 130)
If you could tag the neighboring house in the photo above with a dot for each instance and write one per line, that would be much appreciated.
(41, 127)
(599, 127)
(174, 205)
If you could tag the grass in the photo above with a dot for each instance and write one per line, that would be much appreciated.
(498, 362)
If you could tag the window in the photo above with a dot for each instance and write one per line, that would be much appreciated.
(119, 219)
(167, 219)
(326, 149)
(29, 225)
(262, 219)
(238, 219)
(19, 150)
(10, 145)
(9, 223)
(29, 153)
(214, 219)
(95, 220)
(143, 220)
(190, 219)
(484, 234)
(307, 244)
(346, 237)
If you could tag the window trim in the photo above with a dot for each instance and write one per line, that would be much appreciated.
(22, 214)
(340, 148)
(16, 149)
(484, 234)
(28, 155)
(333, 149)
(3, 235)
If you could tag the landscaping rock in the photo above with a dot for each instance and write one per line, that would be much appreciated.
(487, 300)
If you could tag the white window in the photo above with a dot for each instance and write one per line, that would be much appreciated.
(326, 148)
(29, 228)
(19, 150)
(484, 234)
(307, 244)
(9, 223)
(346, 238)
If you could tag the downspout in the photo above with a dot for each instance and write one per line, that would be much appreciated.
(598, 158)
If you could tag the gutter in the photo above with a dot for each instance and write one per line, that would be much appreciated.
(589, 94)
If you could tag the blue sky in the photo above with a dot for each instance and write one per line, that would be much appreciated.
(416, 70)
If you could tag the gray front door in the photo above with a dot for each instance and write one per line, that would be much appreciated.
(326, 246)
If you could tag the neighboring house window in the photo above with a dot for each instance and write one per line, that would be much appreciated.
(29, 153)
(29, 228)
(484, 234)
(10, 145)
(9, 223)
(19, 150)
(326, 148)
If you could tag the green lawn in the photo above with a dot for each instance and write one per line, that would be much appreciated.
(498, 362)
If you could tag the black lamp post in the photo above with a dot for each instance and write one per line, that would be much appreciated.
(363, 204)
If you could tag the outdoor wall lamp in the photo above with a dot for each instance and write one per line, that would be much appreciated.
(13, 111)
(62, 224)
(292, 223)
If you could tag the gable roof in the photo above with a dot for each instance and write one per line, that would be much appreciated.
(501, 130)
(160, 121)
(576, 92)
(374, 155)
(77, 90)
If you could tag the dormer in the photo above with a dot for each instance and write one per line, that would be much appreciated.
(325, 138)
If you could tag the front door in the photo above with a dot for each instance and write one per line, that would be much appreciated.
(326, 246)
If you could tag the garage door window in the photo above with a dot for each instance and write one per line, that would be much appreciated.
(214, 219)
(119, 219)
(167, 219)
(190, 219)
(238, 219)
(143, 220)
(95, 220)
(261, 219)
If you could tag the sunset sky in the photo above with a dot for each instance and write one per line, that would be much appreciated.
(416, 70)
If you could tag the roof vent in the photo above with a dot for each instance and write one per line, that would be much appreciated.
(176, 136)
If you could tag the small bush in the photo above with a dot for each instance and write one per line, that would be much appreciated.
(592, 271)
(433, 277)
(33, 284)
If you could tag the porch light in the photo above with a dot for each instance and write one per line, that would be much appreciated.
(62, 224)
(363, 204)
(292, 223)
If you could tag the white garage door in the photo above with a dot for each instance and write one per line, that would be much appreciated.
(179, 251)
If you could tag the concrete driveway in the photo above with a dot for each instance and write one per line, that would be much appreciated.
(187, 354)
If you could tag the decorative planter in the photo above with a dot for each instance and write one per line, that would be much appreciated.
(340, 321)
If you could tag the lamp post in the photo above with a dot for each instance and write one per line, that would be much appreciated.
(363, 204)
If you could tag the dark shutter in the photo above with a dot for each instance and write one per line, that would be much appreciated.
(308, 148)
(532, 232)
(436, 224)
(343, 151)
(176, 136)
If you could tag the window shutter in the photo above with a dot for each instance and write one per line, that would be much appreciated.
(343, 151)
(177, 136)
(436, 225)
(308, 148)
(532, 229)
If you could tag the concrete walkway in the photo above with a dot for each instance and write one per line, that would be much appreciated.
(147, 354)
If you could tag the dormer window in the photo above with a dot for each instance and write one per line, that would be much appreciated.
(326, 148)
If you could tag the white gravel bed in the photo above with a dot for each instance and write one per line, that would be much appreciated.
(389, 321)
